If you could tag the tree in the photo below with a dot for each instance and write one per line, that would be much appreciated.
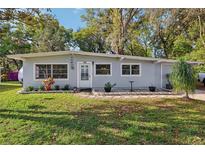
(166, 25)
(13, 41)
(197, 55)
(89, 39)
(92, 38)
(139, 39)
(52, 37)
(112, 29)
(181, 46)
(13, 37)
(196, 18)
(25, 16)
(122, 20)
(183, 77)
(30, 30)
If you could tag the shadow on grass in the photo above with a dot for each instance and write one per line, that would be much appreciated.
(7, 86)
(36, 107)
(120, 123)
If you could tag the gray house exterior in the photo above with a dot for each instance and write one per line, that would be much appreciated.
(92, 70)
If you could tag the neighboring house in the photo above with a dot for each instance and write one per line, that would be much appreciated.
(92, 70)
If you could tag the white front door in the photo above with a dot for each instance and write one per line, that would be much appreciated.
(85, 75)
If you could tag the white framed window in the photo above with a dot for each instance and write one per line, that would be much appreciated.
(103, 69)
(42, 71)
(130, 69)
(60, 71)
(57, 71)
(125, 69)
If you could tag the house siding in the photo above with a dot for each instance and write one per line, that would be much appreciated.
(150, 72)
(166, 69)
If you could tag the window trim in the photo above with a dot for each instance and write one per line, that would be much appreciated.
(56, 79)
(135, 75)
(103, 64)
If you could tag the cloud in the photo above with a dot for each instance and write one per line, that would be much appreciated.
(77, 10)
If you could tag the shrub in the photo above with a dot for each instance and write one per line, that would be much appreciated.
(183, 77)
(56, 87)
(108, 86)
(48, 83)
(41, 88)
(66, 87)
(30, 88)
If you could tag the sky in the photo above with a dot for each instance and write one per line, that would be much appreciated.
(70, 18)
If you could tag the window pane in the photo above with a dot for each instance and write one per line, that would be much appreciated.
(84, 72)
(43, 71)
(60, 71)
(125, 69)
(103, 69)
(135, 70)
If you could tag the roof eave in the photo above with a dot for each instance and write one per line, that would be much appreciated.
(15, 57)
(61, 53)
(26, 56)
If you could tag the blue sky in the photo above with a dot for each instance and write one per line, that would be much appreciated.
(70, 18)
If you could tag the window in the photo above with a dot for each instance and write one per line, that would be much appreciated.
(126, 69)
(84, 72)
(60, 71)
(57, 71)
(130, 69)
(43, 71)
(135, 69)
(103, 69)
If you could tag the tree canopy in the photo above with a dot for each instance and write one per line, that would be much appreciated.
(30, 30)
(168, 33)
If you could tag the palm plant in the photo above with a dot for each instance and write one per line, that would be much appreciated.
(183, 77)
(108, 86)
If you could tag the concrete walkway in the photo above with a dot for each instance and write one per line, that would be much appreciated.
(198, 95)
(123, 97)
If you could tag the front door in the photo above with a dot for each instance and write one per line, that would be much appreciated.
(85, 75)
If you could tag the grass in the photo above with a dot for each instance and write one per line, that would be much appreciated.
(69, 119)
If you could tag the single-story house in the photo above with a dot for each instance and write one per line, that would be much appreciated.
(92, 70)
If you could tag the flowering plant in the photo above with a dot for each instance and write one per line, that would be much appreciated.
(4, 77)
(48, 83)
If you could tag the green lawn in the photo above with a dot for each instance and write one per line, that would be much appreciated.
(68, 119)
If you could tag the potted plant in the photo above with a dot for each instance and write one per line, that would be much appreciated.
(48, 83)
(152, 88)
(168, 85)
(108, 86)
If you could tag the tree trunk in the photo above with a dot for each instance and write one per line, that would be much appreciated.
(186, 95)
(200, 31)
